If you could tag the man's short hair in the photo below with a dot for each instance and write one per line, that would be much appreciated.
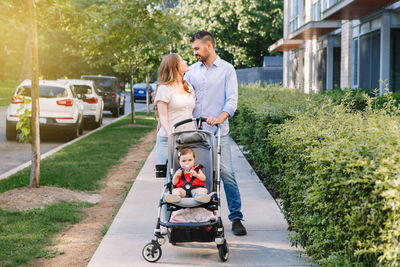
(203, 36)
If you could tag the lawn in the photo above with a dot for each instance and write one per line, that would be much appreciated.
(23, 234)
(7, 89)
(80, 167)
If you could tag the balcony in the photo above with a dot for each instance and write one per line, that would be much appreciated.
(285, 45)
(353, 9)
(314, 29)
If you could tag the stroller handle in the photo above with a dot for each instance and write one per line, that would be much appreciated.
(198, 122)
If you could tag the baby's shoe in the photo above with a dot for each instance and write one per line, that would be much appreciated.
(202, 198)
(170, 198)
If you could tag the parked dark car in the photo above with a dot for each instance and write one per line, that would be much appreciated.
(139, 91)
(110, 89)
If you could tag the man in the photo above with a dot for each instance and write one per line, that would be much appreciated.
(215, 85)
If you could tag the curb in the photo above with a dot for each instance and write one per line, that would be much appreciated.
(54, 150)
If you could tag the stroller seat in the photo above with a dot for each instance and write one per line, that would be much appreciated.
(190, 202)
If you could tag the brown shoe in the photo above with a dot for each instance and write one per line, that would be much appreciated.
(238, 228)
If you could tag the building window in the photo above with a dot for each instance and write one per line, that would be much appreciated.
(337, 58)
(355, 62)
(329, 3)
(317, 10)
(370, 47)
(395, 20)
(321, 69)
(294, 15)
(395, 60)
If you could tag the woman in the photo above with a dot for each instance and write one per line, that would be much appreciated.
(175, 101)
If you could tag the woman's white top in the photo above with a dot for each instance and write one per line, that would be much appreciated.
(180, 107)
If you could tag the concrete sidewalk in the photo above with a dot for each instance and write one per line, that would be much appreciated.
(266, 243)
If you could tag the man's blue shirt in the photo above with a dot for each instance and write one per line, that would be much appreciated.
(216, 91)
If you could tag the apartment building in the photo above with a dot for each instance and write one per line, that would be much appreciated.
(340, 43)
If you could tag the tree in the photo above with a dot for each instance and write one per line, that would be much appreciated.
(127, 35)
(167, 32)
(35, 169)
(243, 29)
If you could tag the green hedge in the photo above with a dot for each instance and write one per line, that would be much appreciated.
(337, 171)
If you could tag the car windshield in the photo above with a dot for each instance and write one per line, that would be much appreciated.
(82, 89)
(105, 83)
(141, 87)
(45, 91)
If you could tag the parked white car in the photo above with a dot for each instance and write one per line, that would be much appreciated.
(59, 108)
(91, 100)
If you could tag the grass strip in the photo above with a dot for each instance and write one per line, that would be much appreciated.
(23, 234)
(83, 164)
(7, 89)
(79, 166)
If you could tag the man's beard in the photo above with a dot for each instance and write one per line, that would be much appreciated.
(203, 58)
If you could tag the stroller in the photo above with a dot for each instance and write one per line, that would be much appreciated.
(207, 151)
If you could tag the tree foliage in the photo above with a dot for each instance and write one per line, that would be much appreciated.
(243, 28)
(58, 52)
(113, 36)
(126, 35)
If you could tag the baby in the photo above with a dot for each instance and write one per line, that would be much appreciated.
(188, 180)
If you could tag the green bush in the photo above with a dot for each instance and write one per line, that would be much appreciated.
(354, 99)
(336, 170)
(359, 99)
(259, 110)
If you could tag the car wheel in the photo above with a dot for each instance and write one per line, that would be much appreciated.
(122, 110)
(80, 128)
(115, 112)
(98, 123)
(11, 131)
(74, 132)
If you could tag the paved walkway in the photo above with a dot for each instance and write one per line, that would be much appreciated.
(266, 243)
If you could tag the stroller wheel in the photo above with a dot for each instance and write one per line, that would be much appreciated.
(223, 251)
(151, 253)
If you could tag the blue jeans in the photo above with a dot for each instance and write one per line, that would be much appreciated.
(162, 156)
(228, 178)
(162, 149)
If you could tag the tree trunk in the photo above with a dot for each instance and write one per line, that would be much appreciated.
(147, 93)
(132, 101)
(35, 170)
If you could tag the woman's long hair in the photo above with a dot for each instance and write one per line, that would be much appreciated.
(168, 72)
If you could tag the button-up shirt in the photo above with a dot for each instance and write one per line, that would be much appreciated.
(216, 90)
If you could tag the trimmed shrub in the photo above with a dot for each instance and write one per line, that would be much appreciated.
(259, 110)
(337, 171)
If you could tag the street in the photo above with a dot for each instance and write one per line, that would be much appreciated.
(13, 153)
